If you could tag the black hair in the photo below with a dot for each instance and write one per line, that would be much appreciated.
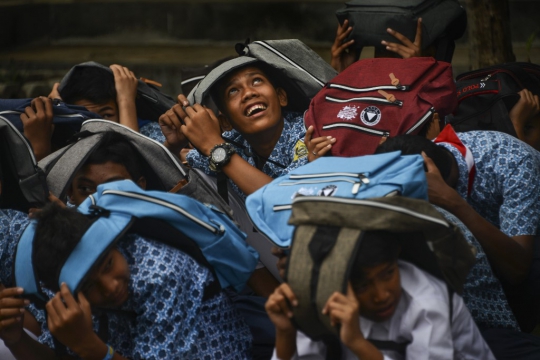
(218, 89)
(376, 247)
(115, 148)
(58, 232)
(414, 144)
(88, 83)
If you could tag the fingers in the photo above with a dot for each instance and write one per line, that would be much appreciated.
(55, 94)
(10, 292)
(69, 300)
(401, 50)
(48, 108)
(418, 37)
(400, 37)
(281, 298)
(430, 165)
(309, 133)
(183, 100)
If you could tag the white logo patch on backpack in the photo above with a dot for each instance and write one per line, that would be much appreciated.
(348, 113)
(370, 115)
(329, 190)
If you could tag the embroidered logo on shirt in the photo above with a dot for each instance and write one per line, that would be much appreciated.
(300, 150)
(370, 115)
(329, 190)
(348, 113)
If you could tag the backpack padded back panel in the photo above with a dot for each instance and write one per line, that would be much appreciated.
(375, 98)
(327, 239)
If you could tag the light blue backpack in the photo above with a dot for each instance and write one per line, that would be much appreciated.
(121, 207)
(360, 177)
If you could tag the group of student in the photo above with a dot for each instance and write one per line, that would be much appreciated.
(152, 298)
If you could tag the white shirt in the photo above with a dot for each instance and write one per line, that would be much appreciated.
(422, 319)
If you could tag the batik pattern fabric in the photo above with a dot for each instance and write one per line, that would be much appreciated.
(172, 321)
(152, 130)
(12, 225)
(289, 153)
(505, 191)
(483, 293)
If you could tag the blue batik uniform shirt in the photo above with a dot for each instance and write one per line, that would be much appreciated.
(289, 153)
(482, 291)
(506, 187)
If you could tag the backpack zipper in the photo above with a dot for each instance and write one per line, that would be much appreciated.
(366, 99)
(166, 204)
(373, 88)
(363, 179)
(422, 120)
(382, 133)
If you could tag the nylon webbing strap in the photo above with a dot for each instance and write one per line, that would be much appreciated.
(316, 260)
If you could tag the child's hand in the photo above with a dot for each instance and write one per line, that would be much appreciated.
(69, 320)
(525, 117)
(278, 308)
(125, 83)
(342, 57)
(407, 49)
(345, 310)
(11, 314)
(201, 126)
(319, 146)
(282, 260)
(439, 192)
(171, 129)
(38, 125)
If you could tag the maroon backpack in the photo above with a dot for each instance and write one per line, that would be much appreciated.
(375, 98)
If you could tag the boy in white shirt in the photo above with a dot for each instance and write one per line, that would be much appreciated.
(392, 310)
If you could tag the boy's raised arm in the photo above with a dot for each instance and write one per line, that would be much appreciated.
(125, 83)
(201, 127)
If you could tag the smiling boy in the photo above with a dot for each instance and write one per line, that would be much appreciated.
(261, 141)
(387, 301)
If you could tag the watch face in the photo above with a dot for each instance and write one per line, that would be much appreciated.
(218, 155)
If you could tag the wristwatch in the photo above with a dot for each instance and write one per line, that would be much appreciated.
(220, 155)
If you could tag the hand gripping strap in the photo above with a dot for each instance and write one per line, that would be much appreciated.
(24, 269)
(96, 242)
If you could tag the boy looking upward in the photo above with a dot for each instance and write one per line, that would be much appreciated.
(386, 300)
(261, 141)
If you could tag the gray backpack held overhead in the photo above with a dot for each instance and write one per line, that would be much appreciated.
(326, 241)
(297, 68)
(23, 183)
(162, 170)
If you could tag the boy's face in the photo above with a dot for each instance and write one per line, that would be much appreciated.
(88, 178)
(107, 286)
(108, 111)
(380, 291)
(251, 103)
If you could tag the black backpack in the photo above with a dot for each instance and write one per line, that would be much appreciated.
(151, 103)
(486, 96)
(443, 21)
(23, 182)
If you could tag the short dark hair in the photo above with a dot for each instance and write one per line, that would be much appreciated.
(376, 247)
(414, 144)
(89, 83)
(218, 89)
(58, 232)
(115, 148)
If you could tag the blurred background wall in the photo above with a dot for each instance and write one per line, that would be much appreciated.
(41, 39)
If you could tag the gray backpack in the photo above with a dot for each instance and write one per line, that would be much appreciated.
(328, 233)
(301, 71)
(23, 182)
(163, 171)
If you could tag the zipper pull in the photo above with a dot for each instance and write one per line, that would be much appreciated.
(388, 96)
(486, 78)
(356, 188)
(393, 80)
(363, 178)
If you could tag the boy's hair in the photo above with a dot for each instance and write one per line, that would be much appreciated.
(58, 232)
(114, 148)
(414, 144)
(218, 89)
(376, 247)
(89, 83)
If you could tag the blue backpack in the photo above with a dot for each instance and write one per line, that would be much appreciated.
(360, 177)
(120, 208)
